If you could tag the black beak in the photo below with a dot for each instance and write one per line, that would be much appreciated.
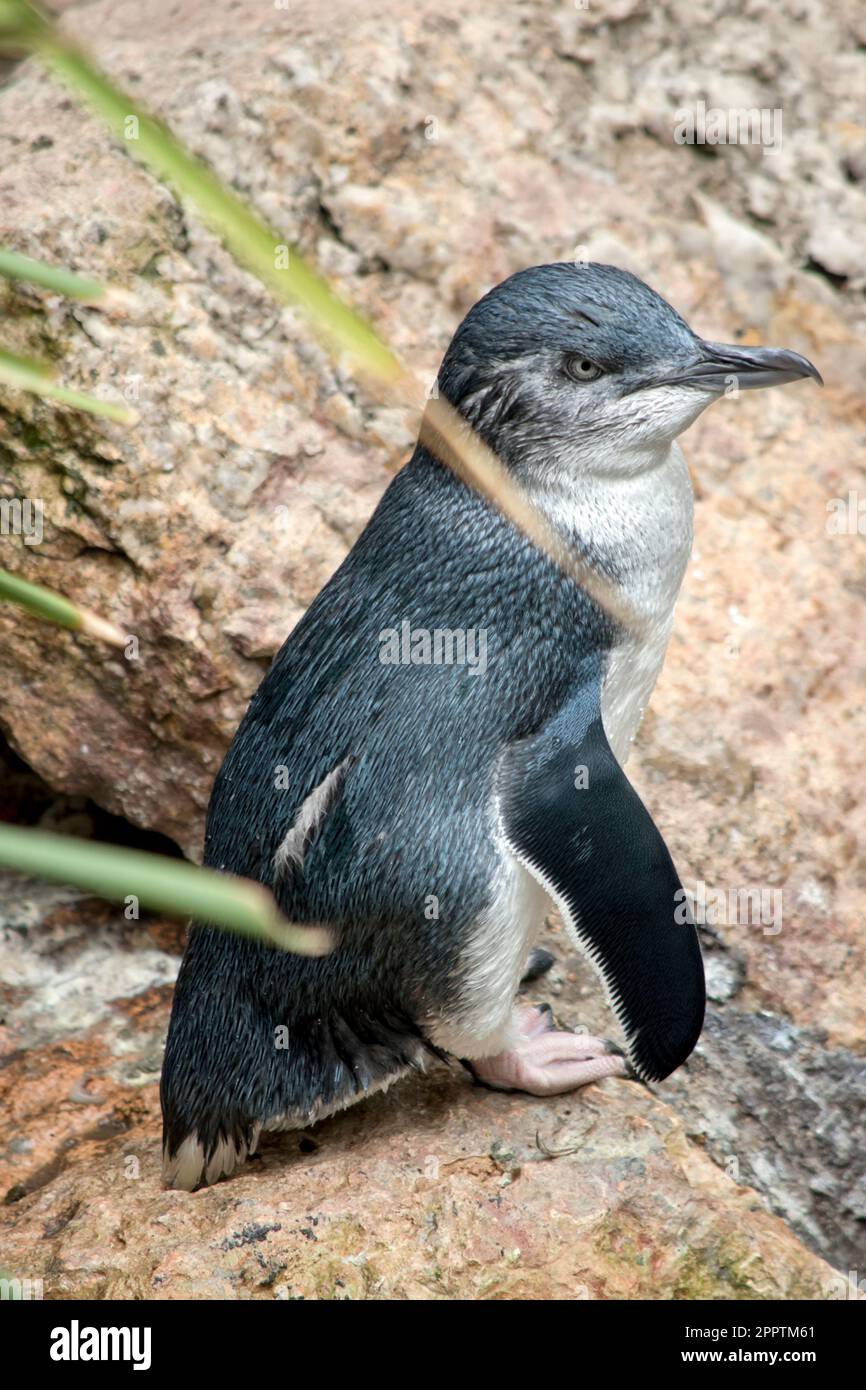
(718, 366)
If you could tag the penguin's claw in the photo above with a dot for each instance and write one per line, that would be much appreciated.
(546, 1060)
(538, 963)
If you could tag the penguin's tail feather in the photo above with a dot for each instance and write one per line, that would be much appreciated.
(216, 1147)
(206, 1154)
(195, 1164)
(237, 1065)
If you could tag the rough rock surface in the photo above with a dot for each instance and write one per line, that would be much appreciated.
(786, 1114)
(438, 1189)
(417, 158)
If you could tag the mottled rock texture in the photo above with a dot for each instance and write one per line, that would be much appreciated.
(438, 1189)
(417, 156)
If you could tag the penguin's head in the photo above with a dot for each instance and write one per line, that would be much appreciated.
(584, 367)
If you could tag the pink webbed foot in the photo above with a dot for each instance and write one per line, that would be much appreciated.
(546, 1060)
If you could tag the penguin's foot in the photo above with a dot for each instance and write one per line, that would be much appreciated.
(546, 1060)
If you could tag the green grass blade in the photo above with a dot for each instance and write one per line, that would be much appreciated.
(159, 884)
(19, 23)
(54, 608)
(26, 375)
(248, 237)
(14, 266)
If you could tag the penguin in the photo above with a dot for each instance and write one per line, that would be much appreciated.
(436, 754)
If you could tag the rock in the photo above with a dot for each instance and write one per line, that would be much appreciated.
(395, 1203)
(786, 1114)
(836, 250)
(437, 1190)
(755, 272)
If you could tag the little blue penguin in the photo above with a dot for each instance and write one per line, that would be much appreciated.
(436, 754)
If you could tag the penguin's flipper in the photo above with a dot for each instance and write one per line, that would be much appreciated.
(575, 822)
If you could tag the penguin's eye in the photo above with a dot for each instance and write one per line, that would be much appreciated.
(581, 369)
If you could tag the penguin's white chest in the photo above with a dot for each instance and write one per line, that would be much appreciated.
(644, 524)
(632, 671)
(648, 527)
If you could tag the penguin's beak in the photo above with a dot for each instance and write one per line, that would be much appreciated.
(718, 366)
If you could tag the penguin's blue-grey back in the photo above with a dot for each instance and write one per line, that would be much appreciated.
(414, 749)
